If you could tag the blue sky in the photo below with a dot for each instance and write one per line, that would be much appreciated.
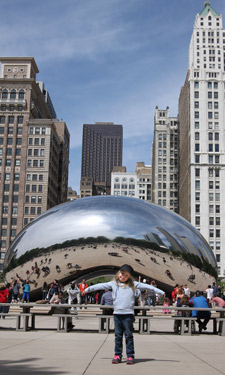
(105, 60)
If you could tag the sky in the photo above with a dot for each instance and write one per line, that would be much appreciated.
(105, 61)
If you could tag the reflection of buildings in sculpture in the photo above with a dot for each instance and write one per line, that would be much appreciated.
(174, 244)
(189, 245)
(154, 237)
(34, 152)
(202, 243)
(101, 150)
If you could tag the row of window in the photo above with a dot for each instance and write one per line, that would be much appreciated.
(32, 210)
(13, 94)
(124, 186)
(211, 147)
(213, 172)
(36, 141)
(8, 162)
(33, 199)
(211, 159)
(19, 130)
(5, 221)
(212, 221)
(213, 247)
(212, 184)
(37, 130)
(124, 179)
(35, 163)
(12, 232)
(10, 141)
(211, 105)
(11, 107)
(5, 210)
(9, 151)
(35, 152)
(11, 119)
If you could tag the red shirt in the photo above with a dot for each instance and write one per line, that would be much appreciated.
(4, 295)
(82, 287)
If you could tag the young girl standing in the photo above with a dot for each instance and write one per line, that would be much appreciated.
(123, 291)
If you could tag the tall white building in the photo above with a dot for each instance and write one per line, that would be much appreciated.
(165, 160)
(202, 133)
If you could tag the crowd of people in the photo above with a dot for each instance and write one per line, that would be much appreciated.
(211, 296)
(19, 290)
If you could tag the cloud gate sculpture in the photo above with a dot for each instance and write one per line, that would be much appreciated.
(95, 236)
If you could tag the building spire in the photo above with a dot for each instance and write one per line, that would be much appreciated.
(207, 9)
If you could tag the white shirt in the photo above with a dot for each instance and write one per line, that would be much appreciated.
(209, 293)
(72, 293)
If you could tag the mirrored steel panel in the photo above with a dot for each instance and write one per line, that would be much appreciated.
(96, 235)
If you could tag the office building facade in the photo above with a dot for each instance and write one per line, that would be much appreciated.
(165, 152)
(132, 184)
(102, 148)
(201, 129)
(34, 150)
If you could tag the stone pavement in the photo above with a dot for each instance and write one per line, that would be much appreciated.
(44, 351)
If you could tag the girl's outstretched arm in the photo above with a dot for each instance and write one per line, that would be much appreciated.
(143, 286)
(100, 286)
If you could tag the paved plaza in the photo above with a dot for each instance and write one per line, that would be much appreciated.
(85, 352)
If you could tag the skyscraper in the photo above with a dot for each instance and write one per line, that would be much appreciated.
(101, 151)
(34, 149)
(202, 126)
(165, 151)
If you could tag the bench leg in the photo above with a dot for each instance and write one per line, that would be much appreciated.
(18, 323)
(222, 328)
(214, 326)
(104, 325)
(144, 326)
(33, 321)
(62, 324)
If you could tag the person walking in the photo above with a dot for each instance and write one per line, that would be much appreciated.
(123, 291)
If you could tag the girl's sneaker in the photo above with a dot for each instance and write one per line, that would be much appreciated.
(130, 361)
(116, 359)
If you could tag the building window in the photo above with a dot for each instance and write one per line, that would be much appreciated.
(21, 94)
(5, 94)
(197, 196)
(196, 114)
(211, 197)
(210, 185)
(14, 221)
(197, 208)
(197, 159)
(210, 159)
(13, 94)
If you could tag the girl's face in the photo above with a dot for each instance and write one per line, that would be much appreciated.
(123, 276)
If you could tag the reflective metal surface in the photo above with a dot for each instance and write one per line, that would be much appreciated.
(99, 234)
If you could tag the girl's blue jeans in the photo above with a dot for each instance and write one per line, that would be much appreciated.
(123, 324)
